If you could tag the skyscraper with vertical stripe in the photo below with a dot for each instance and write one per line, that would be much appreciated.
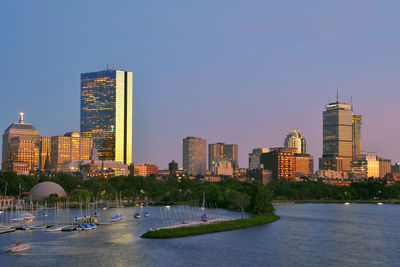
(106, 113)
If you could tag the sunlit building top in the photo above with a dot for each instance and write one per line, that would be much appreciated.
(295, 139)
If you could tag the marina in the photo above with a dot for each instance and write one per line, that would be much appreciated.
(304, 235)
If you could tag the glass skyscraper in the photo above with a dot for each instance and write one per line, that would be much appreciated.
(106, 113)
(337, 137)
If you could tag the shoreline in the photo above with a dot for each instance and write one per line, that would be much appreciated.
(211, 228)
(393, 202)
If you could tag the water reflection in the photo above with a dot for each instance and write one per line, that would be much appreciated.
(306, 234)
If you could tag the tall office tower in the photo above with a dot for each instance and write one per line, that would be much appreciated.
(106, 113)
(221, 151)
(356, 122)
(254, 158)
(295, 139)
(337, 137)
(69, 147)
(194, 155)
(25, 131)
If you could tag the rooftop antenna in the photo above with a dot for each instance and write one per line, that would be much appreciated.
(351, 103)
(337, 95)
(21, 117)
(107, 66)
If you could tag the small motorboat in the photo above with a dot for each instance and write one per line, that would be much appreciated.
(380, 203)
(45, 214)
(19, 248)
(86, 216)
(94, 226)
(146, 214)
(137, 215)
(78, 217)
(88, 226)
(104, 208)
(96, 214)
(347, 203)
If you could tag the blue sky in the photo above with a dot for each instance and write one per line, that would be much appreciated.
(242, 72)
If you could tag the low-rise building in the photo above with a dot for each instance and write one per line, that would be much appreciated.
(140, 169)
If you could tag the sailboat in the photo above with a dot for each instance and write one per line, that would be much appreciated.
(57, 227)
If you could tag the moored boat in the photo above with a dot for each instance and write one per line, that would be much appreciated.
(137, 215)
(36, 227)
(56, 228)
(146, 214)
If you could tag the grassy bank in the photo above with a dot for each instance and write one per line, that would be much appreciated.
(332, 201)
(212, 228)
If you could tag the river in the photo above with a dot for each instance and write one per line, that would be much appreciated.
(306, 235)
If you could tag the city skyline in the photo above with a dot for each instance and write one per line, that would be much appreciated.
(258, 62)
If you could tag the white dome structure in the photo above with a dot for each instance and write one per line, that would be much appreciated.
(45, 189)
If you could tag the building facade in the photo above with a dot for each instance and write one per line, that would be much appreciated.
(296, 140)
(385, 167)
(173, 168)
(194, 155)
(281, 161)
(223, 167)
(337, 137)
(356, 132)
(254, 157)
(44, 152)
(72, 146)
(366, 165)
(222, 151)
(140, 169)
(106, 113)
(304, 165)
(20, 145)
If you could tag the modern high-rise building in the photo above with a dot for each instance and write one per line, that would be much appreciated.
(281, 161)
(70, 147)
(337, 137)
(222, 151)
(194, 155)
(106, 113)
(254, 157)
(295, 139)
(356, 122)
(20, 147)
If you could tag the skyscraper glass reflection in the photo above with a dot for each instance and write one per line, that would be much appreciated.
(106, 113)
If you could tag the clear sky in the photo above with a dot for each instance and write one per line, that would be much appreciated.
(242, 72)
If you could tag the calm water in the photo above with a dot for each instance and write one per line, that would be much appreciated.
(306, 234)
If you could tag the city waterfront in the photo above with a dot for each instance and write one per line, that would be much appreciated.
(306, 234)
